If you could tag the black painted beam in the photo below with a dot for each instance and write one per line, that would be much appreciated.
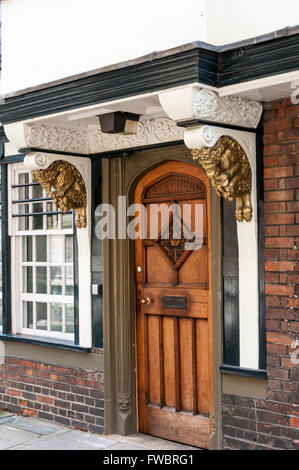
(179, 69)
(203, 63)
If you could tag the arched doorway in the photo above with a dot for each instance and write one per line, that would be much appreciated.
(174, 317)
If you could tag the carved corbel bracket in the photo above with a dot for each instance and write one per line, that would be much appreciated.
(228, 168)
(24, 135)
(62, 182)
(192, 103)
(37, 161)
(231, 110)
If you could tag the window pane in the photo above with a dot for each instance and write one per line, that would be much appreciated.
(27, 248)
(69, 248)
(67, 220)
(23, 221)
(57, 254)
(69, 318)
(69, 280)
(23, 178)
(41, 248)
(56, 280)
(52, 220)
(56, 317)
(27, 315)
(41, 316)
(41, 280)
(37, 219)
(27, 279)
(23, 191)
(37, 191)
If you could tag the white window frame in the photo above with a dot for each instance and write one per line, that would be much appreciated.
(83, 165)
(18, 297)
(47, 297)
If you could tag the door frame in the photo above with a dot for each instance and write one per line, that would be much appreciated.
(120, 177)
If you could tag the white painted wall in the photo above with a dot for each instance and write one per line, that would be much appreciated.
(234, 20)
(45, 40)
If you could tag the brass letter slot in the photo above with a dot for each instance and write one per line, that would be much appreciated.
(174, 302)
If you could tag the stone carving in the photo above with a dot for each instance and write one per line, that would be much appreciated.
(233, 110)
(70, 190)
(56, 138)
(228, 168)
(123, 402)
(149, 131)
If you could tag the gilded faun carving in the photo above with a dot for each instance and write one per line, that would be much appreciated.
(70, 190)
(228, 168)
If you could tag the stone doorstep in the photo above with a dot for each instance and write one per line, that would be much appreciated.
(20, 432)
(149, 442)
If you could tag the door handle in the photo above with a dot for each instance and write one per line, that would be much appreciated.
(146, 301)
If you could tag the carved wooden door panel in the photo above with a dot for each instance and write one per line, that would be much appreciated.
(174, 360)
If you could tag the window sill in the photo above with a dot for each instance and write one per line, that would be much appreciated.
(256, 373)
(47, 342)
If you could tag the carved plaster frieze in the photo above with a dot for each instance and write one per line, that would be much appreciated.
(56, 138)
(234, 110)
(149, 131)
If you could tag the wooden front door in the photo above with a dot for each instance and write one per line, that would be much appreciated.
(174, 360)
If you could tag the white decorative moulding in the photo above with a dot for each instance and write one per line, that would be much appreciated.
(149, 131)
(56, 138)
(192, 103)
(37, 161)
(233, 110)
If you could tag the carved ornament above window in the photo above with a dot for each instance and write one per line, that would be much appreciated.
(69, 186)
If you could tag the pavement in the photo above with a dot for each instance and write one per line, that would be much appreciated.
(26, 433)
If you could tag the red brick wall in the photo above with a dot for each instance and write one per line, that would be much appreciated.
(274, 423)
(64, 395)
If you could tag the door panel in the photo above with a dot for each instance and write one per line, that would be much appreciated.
(174, 360)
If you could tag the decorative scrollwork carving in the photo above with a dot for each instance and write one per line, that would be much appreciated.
(149, 131)
(228, 109)
(70, 190)
(227, 166)
(56, 138)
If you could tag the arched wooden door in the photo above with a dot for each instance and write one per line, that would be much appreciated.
(174, 331)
